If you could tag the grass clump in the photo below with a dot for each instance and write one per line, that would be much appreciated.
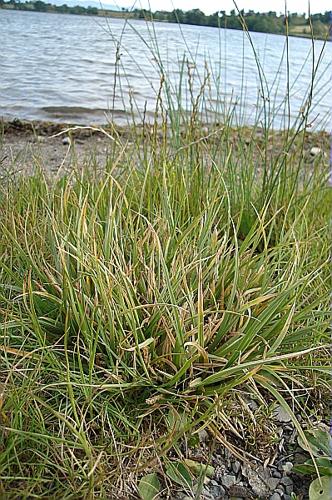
(147, 300)
(138, 304)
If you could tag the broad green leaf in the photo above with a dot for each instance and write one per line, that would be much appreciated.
(178, 473)
(324, 466)
(149, 486)
(320, 442)
(320, 489)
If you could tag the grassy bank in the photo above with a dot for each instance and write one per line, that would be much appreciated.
(144, 301)
(167, 305)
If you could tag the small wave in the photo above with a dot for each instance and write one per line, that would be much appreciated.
(69, 110)
(79, 114)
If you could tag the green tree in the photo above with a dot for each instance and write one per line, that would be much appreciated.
(195, 16)
(40, 6)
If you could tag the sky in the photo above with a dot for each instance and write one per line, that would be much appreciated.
(211, 6)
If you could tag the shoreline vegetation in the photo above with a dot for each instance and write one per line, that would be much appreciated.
(157, 304)
(165, 300)
(319, 25)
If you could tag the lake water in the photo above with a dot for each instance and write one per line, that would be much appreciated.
(63, 68)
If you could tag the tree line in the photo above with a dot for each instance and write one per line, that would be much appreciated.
(269, 22)
(40, 6)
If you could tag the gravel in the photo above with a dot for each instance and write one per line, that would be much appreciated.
(228, 480)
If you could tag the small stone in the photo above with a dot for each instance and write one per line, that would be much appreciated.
(280, 491)
(281, 415)
(217, 491)
(289, 427)
(272, 483)
(66, 141)
(237, 491)
(287, 497)
(287, 467)
(206, 494)
(315, 151)
(277, 474)
(203, 436)
(228, 480)
(275, 496)
(236, 466)
(252, 405)
(289, 489)
(286, 481)
(258, 486)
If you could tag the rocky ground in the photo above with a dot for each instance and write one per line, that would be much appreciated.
(251, 477)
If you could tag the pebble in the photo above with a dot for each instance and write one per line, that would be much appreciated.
(217, 491)
(287, 497)
(287, 467)
(237, 491)
(280, 491)
(236, 466)
(281, 415)
(315, 151)
(257, 485)
(277, 474)
(289, 489)
(286, 481)
(275, 496)
(228, 480)
(206, 494)
(252, 405)
(66, 141)
(203, 436)
(272, 482)
(289, 427)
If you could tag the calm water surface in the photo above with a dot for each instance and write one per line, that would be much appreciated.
(63, 68)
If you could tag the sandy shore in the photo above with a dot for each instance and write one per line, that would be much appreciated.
(52, 146)
(24, 145)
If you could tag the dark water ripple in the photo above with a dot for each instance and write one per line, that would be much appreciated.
(63, 68)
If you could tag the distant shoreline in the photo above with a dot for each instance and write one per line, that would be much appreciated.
(48, 8)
